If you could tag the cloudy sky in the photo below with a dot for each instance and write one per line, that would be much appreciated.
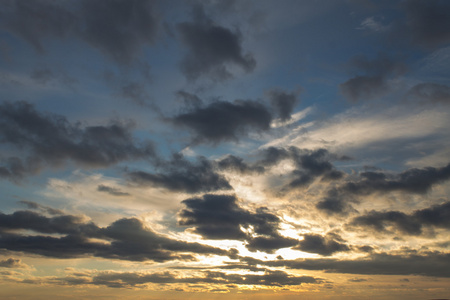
(245, 149)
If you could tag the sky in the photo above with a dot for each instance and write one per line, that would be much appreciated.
(235, 149)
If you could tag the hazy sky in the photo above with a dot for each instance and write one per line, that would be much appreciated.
(245, 149)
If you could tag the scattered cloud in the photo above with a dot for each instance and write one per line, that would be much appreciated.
(49, 139)
(211, 49)
(225, 121)
(119, 29)
(373, 78)
(124, 239)
(183, 175)
(221, 217)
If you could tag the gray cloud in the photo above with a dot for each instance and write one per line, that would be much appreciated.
(211, 48)
(416, 181)
(434, 264)
(372, 78)
(42, 76)
(50, 139)
(136, 279)
(189, 100)
(124, 239)
(118, 28)
(412, 224)
(34, 21)
(225, 121)
(413, 180)
(111, 190)
(430, 93)
(284, 103)
(237, 164)
(323, 245)
(220, 217)
(310, 164)
(180, 174)
(12, 263)
(336, 202)
(42, 208)
(428, 22)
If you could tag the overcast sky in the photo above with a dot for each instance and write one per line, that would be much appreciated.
(244, 149)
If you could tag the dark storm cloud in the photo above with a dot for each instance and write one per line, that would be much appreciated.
(212, 48)
(111, 190)
(225, 121)
(118, 28)
(124, 239)
(220, 217)
(434, 264)
(372, 77)
(428, 21)
(50, 139)
(323, 245)
(135, 279)
(180, 174)
(437, 216)
(283, 103)
(430, 93)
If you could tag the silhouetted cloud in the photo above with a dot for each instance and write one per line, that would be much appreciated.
(323, 245)
(414, 180)
(225, 121)
(220, 217)
(412, 224)
(372, 78)
(211, 48)
(423, 264)
(138, 279)
(180, 174)
(49, 139)
(309, 164)
(417, 181)
(124, 239)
